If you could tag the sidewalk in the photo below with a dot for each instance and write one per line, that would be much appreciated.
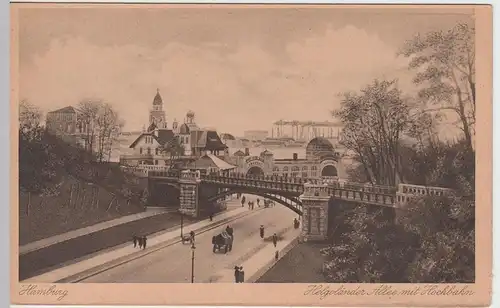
(255, 266)
(117, 255)
(49, 241)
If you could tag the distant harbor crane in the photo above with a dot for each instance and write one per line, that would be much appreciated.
(305, 130)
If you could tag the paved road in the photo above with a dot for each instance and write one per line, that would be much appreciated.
(173, 264)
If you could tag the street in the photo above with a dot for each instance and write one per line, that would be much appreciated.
(173, 264)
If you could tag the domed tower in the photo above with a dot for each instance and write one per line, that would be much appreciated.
(157, 114)
(190, 117)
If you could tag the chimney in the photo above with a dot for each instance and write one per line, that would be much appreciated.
(247, 152)
(295, 156)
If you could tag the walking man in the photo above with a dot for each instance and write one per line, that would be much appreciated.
(140, 241)
(276, 256)
(135, 241)
(262, 231)
(275, 239)
(144, 241)
(236, 274)
(242, 274)
(258, 202)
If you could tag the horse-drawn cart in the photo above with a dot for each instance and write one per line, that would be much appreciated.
(222, 242)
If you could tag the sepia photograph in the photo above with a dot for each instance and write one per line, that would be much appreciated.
(327, 149)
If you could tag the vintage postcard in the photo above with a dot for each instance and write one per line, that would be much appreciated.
(295, 155)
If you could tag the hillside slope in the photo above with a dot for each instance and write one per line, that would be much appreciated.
(62, 189)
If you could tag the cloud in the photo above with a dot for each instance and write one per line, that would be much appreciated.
(246, 89)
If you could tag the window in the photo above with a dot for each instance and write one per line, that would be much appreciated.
(156, 161)
(314, 168)
(156, 151)
(304, 174)
(276, 169)
(140, 150)
(295, 169)
(314, 174)
(149, 151)
(285, 169)
(304, 168)
(295, 174)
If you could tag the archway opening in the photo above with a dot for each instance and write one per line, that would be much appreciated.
(329, 171)
(255, 171)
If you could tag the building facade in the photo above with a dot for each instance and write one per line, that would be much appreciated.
(321, 161)
(62, 121)
(254, 135)
(158, 144)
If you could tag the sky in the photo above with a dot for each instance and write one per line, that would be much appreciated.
(237, 68)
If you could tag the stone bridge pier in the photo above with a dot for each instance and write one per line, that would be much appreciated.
(314, 213)
(189, 184)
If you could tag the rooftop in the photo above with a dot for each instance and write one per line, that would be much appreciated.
(68, 109)
(211, 161)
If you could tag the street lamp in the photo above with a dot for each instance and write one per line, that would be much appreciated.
(193, 248)
(182, 222)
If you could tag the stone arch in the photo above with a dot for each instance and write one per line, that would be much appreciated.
(255, 167)
(255, 170)
(329, 170)
(293, 203)
(328, 167)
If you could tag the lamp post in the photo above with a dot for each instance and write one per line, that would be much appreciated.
(193, 248)
(182, 222)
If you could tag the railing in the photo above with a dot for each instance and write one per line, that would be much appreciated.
(409, 189)
(170, 174)
(135, 170)
(267, 178)
(265, 182)
(327, 188)
(188, 174)
(326, 191)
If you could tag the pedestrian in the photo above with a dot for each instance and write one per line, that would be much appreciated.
(191, 234)
(144, 241)
(276, 255)
(211, 217)
(236, 274)
(139, 241)
(135, 241)
(262, 231)
(242, 274)
(258, 202)
(249, 205)
(243, 199)
(275, 239)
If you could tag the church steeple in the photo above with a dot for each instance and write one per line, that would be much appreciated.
(157, 114)
(157, 101)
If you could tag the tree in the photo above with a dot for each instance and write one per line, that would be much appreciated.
(88, 111)
(108, 125)
(445, 65)
(374, 122)
(30, 118)
(174, 149)
(445, 227)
